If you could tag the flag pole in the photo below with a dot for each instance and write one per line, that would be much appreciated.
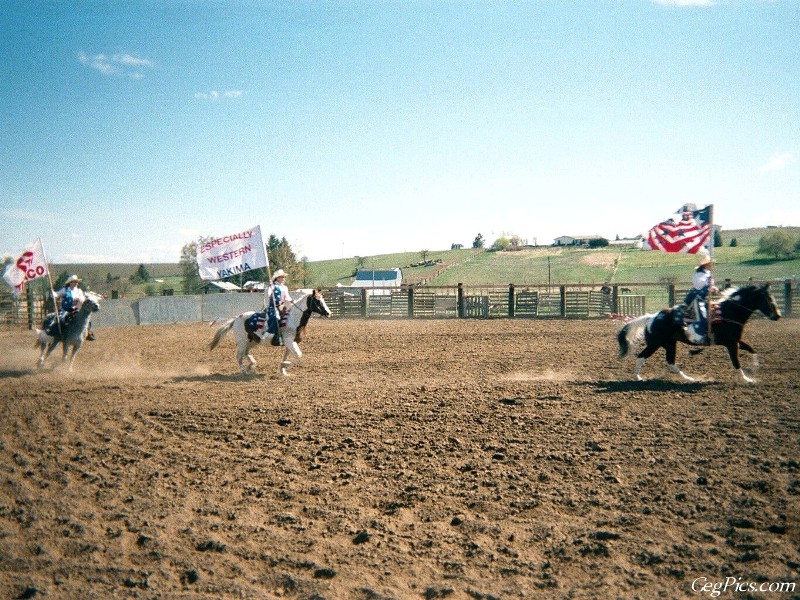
(711, 256)
(52, 291)
(274, 302)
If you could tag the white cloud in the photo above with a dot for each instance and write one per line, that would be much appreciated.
(120, 65)
(214, 95)
(777, 162)
(684, 2)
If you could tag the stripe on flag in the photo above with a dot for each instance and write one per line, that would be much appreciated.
(687, 233)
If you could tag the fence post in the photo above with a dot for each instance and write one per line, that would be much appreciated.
(29, 298)
(364, 302)
(615, 300)
(787, 297)
(671, 294)
(563, 291)
(410, 302)
(511, 301)
(460, 302)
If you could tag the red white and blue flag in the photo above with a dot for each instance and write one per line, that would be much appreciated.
(688, 231)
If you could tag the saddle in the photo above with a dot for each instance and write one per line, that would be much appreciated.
(256, 323)
(689, 316)
(54, 326)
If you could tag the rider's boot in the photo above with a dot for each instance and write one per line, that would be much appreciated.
(695, 335)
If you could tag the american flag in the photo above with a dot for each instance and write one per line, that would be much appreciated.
(688, 231)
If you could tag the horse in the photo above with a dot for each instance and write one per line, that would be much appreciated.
(665, 328)
(300, 311)
(71, 334)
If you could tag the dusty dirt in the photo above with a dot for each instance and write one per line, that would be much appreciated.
(425, 459)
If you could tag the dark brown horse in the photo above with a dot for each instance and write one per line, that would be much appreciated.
(665, 328)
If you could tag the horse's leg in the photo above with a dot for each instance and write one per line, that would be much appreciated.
(241, 352)
(243, 345)
(755, 362)
(290, 347)
(733, 353)
(47, 348)
(251, 362)
(75, 348)
(671, 349)
(640, 358)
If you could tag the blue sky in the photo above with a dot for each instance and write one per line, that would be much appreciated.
(128, 129)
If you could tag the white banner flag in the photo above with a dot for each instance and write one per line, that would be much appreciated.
(231, 254)
(29, 266)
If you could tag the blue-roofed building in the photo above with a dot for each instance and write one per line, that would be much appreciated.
(378, 280)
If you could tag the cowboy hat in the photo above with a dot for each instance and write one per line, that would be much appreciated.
(72, 279)
(705, 260)
(278, 273)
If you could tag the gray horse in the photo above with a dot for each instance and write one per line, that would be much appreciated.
(71, 334)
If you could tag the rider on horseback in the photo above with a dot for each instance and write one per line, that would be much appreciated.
(697, 298)
(69, 300)
(277, 295)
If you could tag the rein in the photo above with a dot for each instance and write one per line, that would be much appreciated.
(738, 304)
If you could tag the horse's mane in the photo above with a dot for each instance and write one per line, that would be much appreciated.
(727, 293)
(732, 291)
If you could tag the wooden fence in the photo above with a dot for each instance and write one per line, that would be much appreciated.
(470, 302)
(522, 302)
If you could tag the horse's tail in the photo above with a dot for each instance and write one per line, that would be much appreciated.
(630, 332)
(38, 342)
(226, 327)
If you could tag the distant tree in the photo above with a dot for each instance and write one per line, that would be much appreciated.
(304, 262)
(598, 243)
(190, 272)
(423, 254)
(360, 261)
(501, 243)
(478, 242)
(456, 246)
(281, 256)
(717, 239)
(516, 241)
(797, 245)
(775, 243)
(141, 275)
(59, 281)
(733, 243)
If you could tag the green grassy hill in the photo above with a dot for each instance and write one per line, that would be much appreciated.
(557, 265)
(541, 265)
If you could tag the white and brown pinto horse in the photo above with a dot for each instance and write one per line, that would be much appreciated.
(300, 309)
(665, 328)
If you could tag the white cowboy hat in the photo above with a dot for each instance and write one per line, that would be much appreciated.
(705, 260)
(71, 279)
(278, 273)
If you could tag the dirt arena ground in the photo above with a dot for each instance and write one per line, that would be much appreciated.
(444, 459)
